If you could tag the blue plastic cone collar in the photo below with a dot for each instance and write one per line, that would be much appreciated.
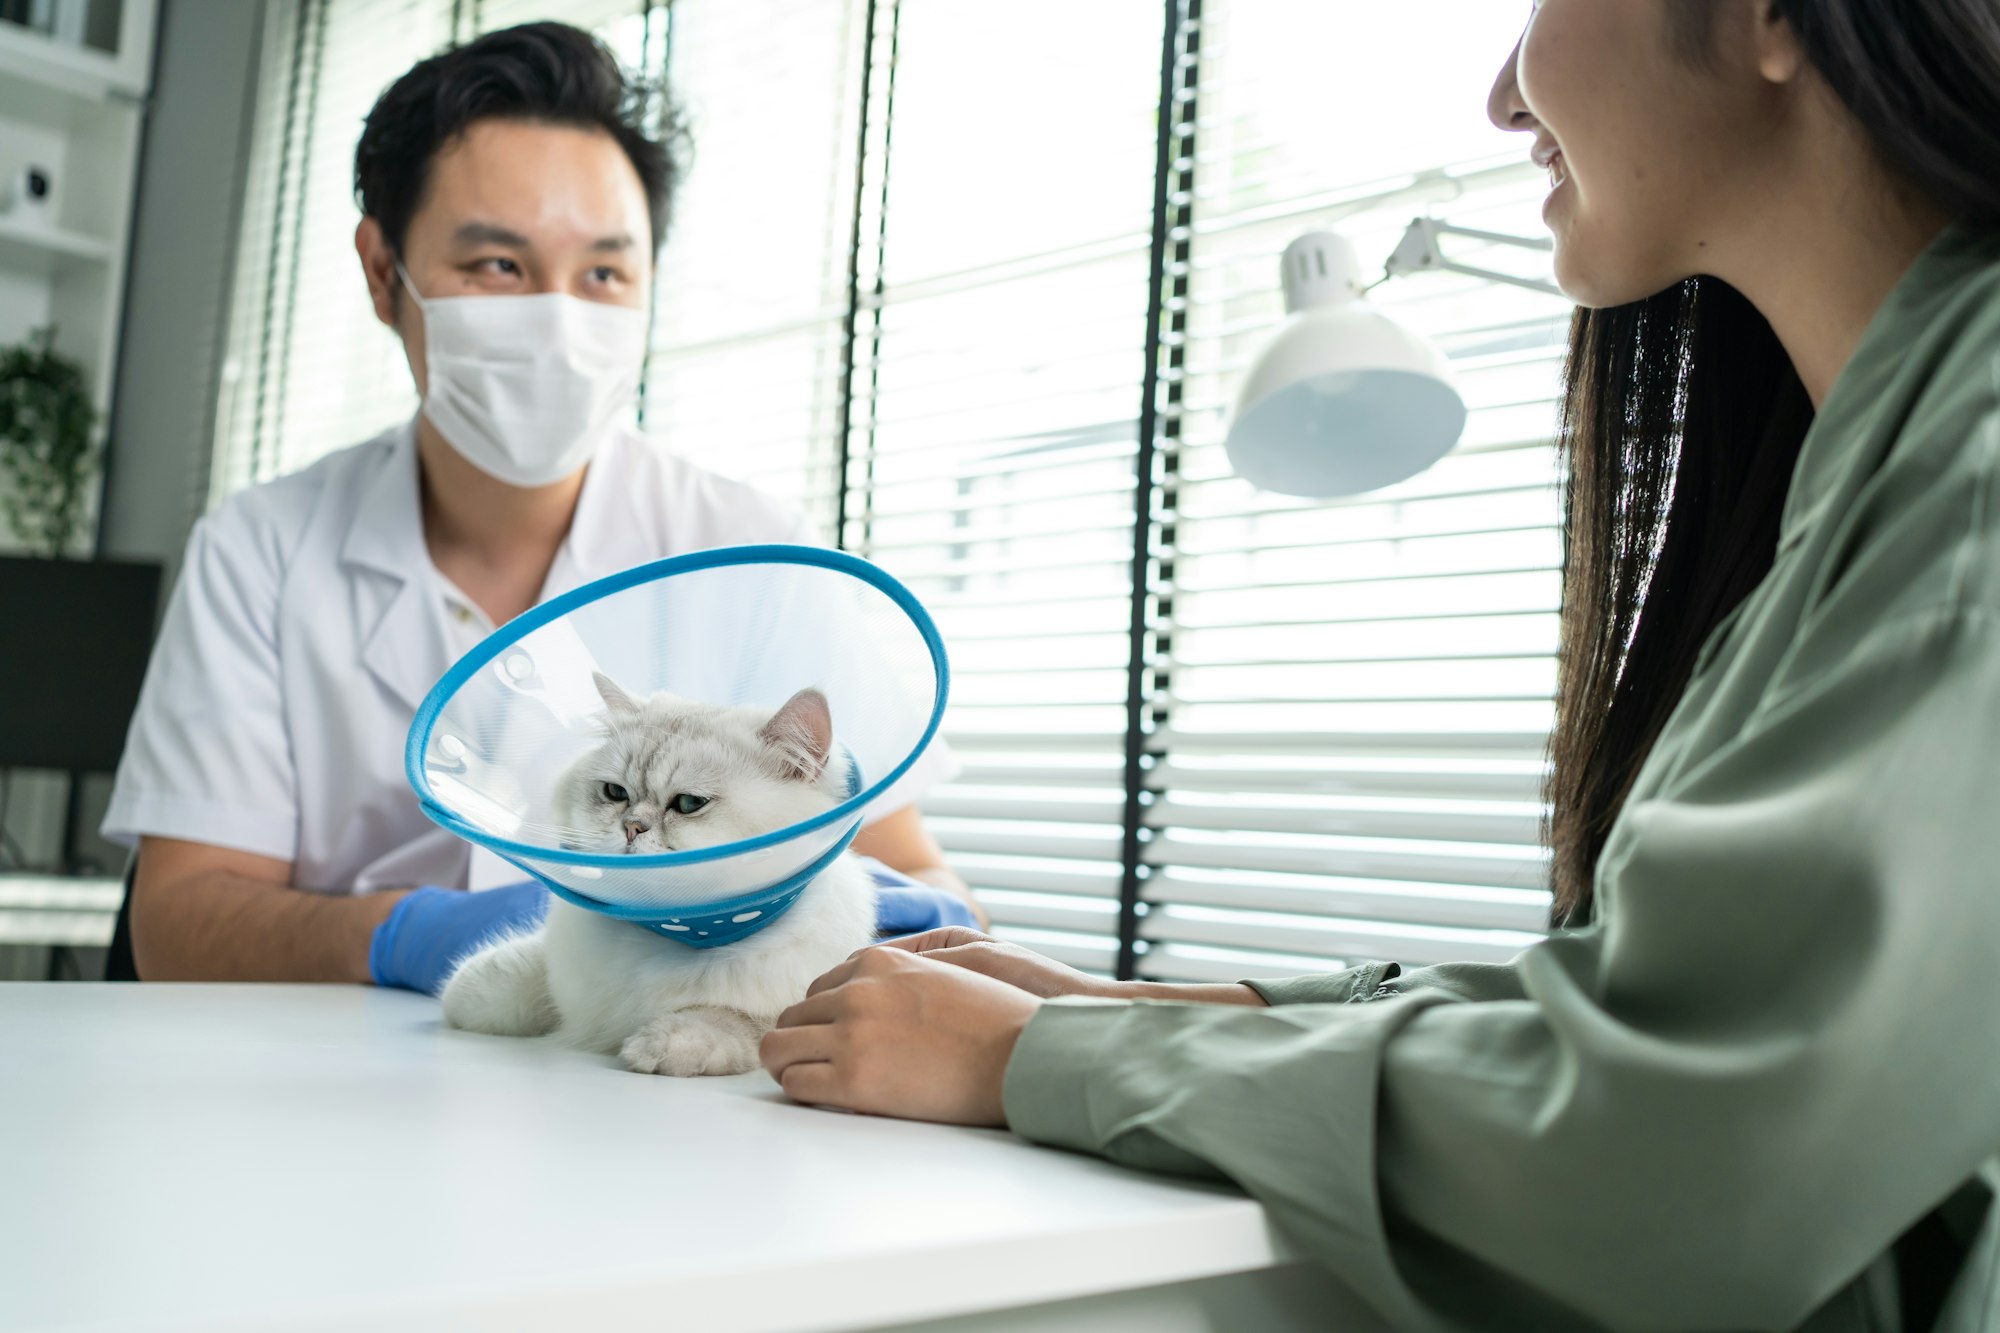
(709, 923)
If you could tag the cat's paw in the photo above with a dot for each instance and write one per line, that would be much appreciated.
(502, 990)
(689, 1044)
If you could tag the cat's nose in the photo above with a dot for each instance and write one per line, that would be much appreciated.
(633, 828)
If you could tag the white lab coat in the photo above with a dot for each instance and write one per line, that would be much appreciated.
(309, 623)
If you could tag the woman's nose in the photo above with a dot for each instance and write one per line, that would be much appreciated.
(1504, 105)
(633, 828)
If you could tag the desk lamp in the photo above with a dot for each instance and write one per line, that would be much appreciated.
(1344, 399)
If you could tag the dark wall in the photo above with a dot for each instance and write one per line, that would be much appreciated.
(190, 199)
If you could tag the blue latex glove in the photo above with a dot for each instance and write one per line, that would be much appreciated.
(432, 930)
(905, 906)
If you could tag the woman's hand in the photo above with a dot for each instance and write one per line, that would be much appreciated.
(891, 1032)
(1041, 976)
(997, 959)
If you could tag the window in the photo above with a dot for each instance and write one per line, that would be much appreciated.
(749, 371)
(1351, 700)
(974, 288)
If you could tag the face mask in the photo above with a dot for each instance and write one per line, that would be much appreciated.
(526, 388)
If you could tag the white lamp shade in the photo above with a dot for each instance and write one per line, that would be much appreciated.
(1343, 401)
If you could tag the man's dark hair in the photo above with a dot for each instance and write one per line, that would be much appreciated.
(548, 73)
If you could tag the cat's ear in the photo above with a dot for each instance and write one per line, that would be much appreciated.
(801, 734)
(622, 705)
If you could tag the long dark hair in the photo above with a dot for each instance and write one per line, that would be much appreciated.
(1683, 416)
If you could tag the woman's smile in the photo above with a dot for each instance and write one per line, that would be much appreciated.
(1550, 158)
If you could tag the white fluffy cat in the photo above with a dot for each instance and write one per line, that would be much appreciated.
(670, 775)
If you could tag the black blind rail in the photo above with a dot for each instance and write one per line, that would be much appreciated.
(1159, 431)
(656, 56)
(291, 178)
(878, 289)
(316, 9)
(865, 252)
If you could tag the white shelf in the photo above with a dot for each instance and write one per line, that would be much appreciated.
(43, 249)
(76, 71)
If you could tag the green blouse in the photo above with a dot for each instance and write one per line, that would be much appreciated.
(1762, 1089)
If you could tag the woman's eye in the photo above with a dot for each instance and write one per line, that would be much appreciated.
(687, 802)
(615, 793)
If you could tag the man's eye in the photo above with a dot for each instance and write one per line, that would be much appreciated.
(687, 802)
(616, 794)
(604, 273)
(500, 265)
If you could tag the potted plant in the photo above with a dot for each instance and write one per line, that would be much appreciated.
(48, 446)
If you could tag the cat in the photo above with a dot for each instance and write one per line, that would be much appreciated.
(674, 774)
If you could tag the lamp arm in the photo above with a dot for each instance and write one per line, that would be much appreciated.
(1419, 252)
(1532, 284)
(1542, 243)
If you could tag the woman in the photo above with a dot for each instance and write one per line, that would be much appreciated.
(1755, 1082)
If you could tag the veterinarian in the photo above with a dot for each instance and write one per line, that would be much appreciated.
(1754, 1083)
(512, 210)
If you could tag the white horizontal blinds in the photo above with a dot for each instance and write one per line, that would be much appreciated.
(745, 374)
(321, 371)
(1357, 694)
(249, 348)
(309, 369)
(621, 23)
(994, 430)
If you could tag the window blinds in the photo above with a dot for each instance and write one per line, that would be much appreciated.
(975, 291)
(992, 456)
(748, 369)
(1341, 709)
(1352, 699)
(309, 370)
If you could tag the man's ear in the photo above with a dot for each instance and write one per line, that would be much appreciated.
(801, 735)
(378, 267)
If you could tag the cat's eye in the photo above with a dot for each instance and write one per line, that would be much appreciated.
(614, 792)
(687, 802)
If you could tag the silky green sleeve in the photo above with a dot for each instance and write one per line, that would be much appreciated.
(1381, 981)
(1355, 984)
(1698, 1114)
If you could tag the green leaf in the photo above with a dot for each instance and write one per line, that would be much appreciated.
(48, 446)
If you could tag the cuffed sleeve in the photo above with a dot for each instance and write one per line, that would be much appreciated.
(1382, 981)
(1045, 1080)
(1223, 1091)
(1356, 983)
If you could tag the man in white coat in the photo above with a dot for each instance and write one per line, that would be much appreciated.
(513, 206)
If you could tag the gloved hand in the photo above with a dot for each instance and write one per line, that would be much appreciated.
(904, 906)
(433, 930)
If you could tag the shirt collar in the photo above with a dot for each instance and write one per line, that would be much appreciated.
(387, 531)
(398, 623)
(609, 532)
(1864, 401)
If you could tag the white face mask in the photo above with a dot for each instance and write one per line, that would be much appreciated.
(526, 388)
